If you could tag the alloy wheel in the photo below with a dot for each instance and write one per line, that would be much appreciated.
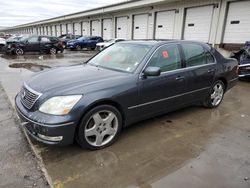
(19, 51)
(217, 94)
(53, 51)
(101, 128)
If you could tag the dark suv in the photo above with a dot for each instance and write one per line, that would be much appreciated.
(42, 44)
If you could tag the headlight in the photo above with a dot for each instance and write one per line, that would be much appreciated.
(60, 105)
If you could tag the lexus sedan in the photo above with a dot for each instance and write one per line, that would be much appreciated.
(128, 82)
(33, 43)
(84, 42)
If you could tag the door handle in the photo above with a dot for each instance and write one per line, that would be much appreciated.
(180, 78)
(211, 70)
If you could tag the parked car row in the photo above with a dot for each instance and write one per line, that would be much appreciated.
(48, 44)
(33, 43)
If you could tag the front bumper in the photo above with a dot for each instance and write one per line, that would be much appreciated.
(61, 133)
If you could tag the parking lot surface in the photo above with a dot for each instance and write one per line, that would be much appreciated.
(193, 147)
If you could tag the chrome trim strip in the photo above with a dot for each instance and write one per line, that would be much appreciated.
(175, 96)
(244, 65)
(41, 124)
(234, 79)
(243, 75)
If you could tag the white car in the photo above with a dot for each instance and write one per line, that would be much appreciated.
(102, 45)
(2, 42)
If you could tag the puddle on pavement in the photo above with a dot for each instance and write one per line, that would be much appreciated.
(30, 66)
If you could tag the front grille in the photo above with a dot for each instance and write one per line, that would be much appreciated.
(28, 96)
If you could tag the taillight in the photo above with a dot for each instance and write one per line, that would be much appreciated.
(60, 44)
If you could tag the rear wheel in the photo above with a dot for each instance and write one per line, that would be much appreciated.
(19, 51)
(92, 48)
(100, 127)
(216, 95)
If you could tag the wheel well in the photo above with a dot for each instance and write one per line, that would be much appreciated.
(106, 102)
(224, 82)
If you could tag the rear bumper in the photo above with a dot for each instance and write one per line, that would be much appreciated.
(61, 133)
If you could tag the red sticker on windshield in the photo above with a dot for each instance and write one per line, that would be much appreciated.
(165, 54)
(107, 58)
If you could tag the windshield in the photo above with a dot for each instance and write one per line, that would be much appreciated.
(122, 57)
(82, 38)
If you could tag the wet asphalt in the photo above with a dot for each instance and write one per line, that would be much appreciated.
(192, 147)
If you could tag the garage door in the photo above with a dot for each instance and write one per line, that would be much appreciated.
(58, 30)
(64, 29)
(53, 30)
(49, 30)
(95, 28)
(121, 27)
(77, 28)
(164, 27)
(238, 22)
(107, 29)
(140, 28)
(69, 28)
(85, 28)
(198, 23)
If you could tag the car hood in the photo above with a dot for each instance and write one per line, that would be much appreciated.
(73, 79)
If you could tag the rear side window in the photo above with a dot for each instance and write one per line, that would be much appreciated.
(45, 39)
(167, 58)
(195, 55)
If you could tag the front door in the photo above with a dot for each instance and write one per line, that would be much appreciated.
(32, 44)
(166, 92)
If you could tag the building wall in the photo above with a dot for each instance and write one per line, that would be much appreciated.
(150, 8)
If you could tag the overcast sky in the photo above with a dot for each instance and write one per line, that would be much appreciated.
(16, 12)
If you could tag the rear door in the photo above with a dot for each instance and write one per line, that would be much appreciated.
(200, 67)
(167, 91)
(45, 43)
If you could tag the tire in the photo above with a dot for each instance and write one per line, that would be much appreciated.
(78, 47)
(95, 131)
(92, 48)
(53, 50)
(19, 51)
(216, 95)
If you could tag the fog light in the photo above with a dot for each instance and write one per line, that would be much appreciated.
(51, 138)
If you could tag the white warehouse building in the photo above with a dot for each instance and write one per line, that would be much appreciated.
(218, 22)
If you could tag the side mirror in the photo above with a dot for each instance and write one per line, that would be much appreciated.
(152, 71)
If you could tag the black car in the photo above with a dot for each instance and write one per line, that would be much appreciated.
(123, 84)
(67, 37)
(243, 57)
(43, 44)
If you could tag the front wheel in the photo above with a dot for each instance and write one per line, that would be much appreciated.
(19, 51)
(100, 127)
(216, 95)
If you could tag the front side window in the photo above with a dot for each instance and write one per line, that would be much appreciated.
(33, 39)
(195, 55)
(167, 58)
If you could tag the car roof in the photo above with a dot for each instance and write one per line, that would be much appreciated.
(158, 42)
